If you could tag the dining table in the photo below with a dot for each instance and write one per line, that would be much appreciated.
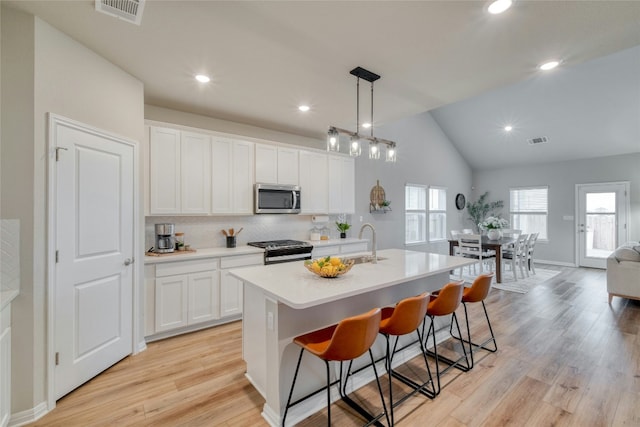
(488, 244)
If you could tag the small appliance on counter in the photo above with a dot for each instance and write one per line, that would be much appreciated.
(165, 238)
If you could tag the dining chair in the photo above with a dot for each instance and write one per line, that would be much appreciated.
(470, 246)
(514, 255)
(531, 244)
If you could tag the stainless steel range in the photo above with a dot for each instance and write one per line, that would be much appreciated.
(277, 251)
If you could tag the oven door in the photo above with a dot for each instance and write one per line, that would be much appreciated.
(277, 199)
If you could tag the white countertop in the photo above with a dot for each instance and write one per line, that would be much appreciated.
(6, 296)
(335, 242)
(292, 284)
(203, 253)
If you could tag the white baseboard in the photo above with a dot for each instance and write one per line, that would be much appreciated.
(28, 416)
(562, 264)
(142, 346)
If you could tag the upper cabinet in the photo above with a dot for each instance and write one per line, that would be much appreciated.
(276, 165)
(232, 176)
(202, 173)
(164, 170)
(341, 185)
(314, 181)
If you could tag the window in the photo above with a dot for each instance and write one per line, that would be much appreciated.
(528, 208)
(437, 214)
(415, 205)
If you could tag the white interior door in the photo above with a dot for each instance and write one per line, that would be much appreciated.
(602, 221)
(94, 233)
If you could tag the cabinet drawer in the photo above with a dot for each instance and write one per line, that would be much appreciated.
(241, 260)
(186, 267)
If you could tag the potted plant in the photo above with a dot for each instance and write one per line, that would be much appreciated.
(493, 225)
(479, 210)
(342, 228)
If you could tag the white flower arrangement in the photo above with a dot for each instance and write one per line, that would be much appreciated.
(493, 223)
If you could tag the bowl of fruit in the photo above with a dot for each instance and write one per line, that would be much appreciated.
(329, 267)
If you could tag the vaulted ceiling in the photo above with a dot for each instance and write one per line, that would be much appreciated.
(266, 58)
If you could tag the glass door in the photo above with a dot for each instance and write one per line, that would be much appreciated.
(602, 221)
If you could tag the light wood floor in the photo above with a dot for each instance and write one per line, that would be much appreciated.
(565, 358)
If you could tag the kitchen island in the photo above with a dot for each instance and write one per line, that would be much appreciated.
(283, 301)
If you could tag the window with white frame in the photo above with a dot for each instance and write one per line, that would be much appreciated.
(437, 214)
(529, 210)
(415, 206)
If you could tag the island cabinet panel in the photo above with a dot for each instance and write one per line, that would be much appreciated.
(314, 179)
(5, 365)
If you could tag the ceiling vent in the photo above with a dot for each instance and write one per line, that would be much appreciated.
(538, 140)
(127, 10)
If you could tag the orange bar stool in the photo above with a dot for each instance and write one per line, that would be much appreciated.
(443, 303)
(477, 293)
(347, 340)
(404, 319)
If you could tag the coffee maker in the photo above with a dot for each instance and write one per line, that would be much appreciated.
(165, 238)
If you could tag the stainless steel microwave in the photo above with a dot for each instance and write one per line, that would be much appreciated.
(277, 199)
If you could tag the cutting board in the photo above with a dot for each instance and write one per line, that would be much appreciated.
(170, 253)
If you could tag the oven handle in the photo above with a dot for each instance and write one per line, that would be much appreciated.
(295, 199)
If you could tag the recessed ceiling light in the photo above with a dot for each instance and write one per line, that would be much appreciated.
(549, 65)
(508, 128)
(499, 6)
(202, 78)
(366, 125)
(303, 108)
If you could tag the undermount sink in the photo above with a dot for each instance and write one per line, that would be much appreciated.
(363, 259)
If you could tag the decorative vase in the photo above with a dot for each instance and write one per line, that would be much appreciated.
(494, 234)
(343, 235)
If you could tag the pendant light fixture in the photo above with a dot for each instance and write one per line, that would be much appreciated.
(375, 144)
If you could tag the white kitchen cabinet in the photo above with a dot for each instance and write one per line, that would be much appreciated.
(186, 293)
(164, 171)
(341, 184)
(266, 164)
(232, 176)
(314, 179)
(5, 365)
(288, 166)
(276, 165)
(195, 173)
(230, 287)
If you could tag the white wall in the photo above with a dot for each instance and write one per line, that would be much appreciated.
(425, 156)
(48, 71)
(562, 178)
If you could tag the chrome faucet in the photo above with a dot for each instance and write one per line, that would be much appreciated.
(374, 257)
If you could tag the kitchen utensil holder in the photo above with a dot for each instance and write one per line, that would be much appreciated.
(231, 241)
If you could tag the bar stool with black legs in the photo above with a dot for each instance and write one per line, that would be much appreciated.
(403, 319)
(443, 303)
(477, 293)
(347, 340)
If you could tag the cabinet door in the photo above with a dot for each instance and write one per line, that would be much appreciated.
(171, 302)
(203, 297)
(230, 294)
(266, 164)
(314, 182)
(242, 177)
(288, 166)
(164, 171)
(348, 185)
(195, 166)
(341, 185)
(221, 155)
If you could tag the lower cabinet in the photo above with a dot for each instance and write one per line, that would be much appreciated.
(182, 294)
(187, 298)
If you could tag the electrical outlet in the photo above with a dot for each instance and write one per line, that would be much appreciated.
(361, 218)
(270, 321)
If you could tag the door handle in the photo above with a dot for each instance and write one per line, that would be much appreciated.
(129, 261)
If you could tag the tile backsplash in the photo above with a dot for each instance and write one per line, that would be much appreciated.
(205, 231)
